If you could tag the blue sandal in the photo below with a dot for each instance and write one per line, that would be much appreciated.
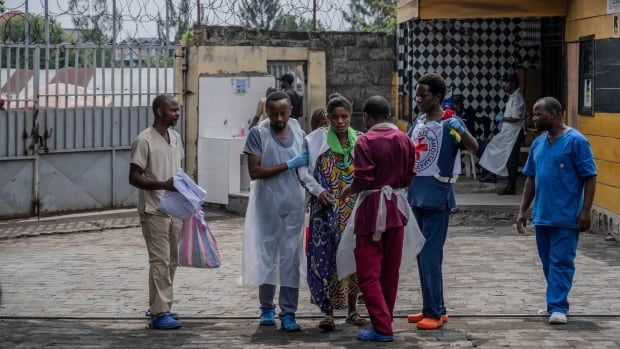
(267, 317)
(289, 324)
(370, 335)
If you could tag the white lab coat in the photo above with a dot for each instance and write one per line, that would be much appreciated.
(497, 152)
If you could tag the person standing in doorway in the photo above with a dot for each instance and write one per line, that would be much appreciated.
(272, 235)
(561, 180)
(286, 85)
(501, 155)
(155, 157)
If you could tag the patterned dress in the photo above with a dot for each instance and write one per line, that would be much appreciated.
(326, 225)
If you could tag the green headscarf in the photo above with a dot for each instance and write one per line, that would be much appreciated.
(336, 147)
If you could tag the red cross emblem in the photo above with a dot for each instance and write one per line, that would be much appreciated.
(420, 147)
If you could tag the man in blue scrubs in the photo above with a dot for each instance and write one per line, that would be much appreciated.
(561, 178)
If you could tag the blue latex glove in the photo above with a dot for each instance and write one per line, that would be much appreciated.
(499, 117)
(298, 161)
(455, 125)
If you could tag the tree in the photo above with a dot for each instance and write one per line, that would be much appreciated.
(94, 20)
(184, 18)
(263, 14)
(12, 31)
(163, 24)
(371, 15)
(289, 22)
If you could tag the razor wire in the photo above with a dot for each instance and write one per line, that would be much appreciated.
(148, 18)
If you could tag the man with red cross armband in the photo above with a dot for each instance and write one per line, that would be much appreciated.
(438, 137)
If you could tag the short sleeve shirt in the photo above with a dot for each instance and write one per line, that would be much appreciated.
(159, 160)
(559, 170)
(515, 107)
(426, 191)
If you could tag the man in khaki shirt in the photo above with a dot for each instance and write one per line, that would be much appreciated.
(155, 157)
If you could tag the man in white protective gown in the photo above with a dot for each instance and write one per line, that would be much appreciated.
(501, 155)
(273, 232)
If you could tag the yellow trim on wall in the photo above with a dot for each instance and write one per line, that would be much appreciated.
(445, 9)
(406, 10)
(605, 148)
(608, 172)
(602, 124)
(607, 197)
(578, 9)
(600, 26)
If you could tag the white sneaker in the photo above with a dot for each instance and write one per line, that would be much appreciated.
(557, 318)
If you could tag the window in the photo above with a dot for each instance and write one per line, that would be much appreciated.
(586, 75)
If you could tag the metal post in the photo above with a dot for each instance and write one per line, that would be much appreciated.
(313, 15)
(113, 21)
(47, 67)
(168, 24)
(198, 19)
(26, 34)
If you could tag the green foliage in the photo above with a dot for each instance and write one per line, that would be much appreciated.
(94, 20)
(371, 15)
(187, 35)
(289, 22)
(184, 19)
(263, 14)
(13, 30)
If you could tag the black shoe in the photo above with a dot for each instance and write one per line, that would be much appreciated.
(489, 178)
(508, 190)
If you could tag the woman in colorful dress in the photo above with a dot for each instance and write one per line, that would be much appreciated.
(329, 171)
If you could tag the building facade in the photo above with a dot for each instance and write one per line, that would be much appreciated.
(569, 49)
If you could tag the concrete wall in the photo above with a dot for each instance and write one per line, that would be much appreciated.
(358, 65)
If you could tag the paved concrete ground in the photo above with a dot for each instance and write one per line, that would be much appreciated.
(490, 275)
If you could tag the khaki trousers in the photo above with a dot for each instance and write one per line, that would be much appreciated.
(161, 234)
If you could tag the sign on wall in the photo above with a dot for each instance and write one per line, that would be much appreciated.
(613, 6)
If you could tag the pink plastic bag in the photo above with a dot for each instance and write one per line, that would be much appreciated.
(197, 245)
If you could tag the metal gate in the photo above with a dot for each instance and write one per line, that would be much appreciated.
(69, 117)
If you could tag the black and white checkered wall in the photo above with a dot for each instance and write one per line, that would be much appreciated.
(472, 56)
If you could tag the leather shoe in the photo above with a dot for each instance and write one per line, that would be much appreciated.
(508, 190)
(490, 178)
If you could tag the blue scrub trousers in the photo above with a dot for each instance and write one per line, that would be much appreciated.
(557, 248)
(434, 227)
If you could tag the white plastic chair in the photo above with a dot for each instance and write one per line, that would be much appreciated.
(468, 161)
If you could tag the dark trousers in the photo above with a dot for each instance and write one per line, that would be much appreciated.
(557, 248)
(378, 268)
(513, 160)
(288, 299)
(434, 227)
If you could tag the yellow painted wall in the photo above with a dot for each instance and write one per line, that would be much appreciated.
(443, 9)
(603, 132)
(226, 60)
(588, 17)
